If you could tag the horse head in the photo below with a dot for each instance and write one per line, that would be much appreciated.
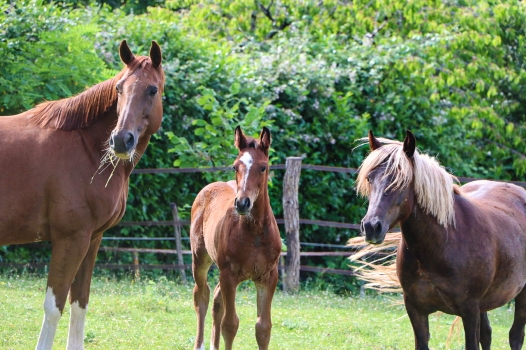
(386, 181)
(139, 104)
(251, 167)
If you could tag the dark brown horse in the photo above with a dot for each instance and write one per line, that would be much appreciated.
(65, 168)
(463, 249)
(234, 227)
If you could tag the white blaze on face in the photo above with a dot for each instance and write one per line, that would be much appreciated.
(51, 318)
(126, 109)
(246, 159)
(76, 326)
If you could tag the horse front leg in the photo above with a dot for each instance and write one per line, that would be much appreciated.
(66, 256)
(420, 323)
(79, 296)
(470, 314)
(265, 292)
(485, 332)
(230, 322)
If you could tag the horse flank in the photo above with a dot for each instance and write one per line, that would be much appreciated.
(434, 186)
(82, 110)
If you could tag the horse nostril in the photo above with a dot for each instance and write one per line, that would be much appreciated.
(246, 203)
(235, 202)
(112, 143)
(377, 228)
(129, 141)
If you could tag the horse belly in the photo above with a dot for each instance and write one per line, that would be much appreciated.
(46, 189)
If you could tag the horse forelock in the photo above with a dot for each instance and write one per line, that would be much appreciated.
(251, 143)
(82, 110)
(434, 187)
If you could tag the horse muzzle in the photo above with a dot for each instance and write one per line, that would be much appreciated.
(242, 206)
(123, 143)
(373, 230)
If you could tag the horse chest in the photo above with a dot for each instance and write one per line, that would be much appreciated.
(249, 259)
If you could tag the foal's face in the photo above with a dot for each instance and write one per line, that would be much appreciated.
(139, 104)
(251, 167)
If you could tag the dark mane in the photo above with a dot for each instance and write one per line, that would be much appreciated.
(82, 110)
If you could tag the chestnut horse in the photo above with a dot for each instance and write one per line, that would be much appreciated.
(233, 226)
(463, 249)
(65, 168)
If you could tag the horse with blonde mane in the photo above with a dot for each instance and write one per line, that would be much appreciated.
(463, 249)
(65, 171)
(233, 226)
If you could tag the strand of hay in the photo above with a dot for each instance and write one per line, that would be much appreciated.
(380, 274)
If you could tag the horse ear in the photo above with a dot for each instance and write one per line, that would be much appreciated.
(409, 144)
(155, 54)
(239, 139)
(264, 139)
(373, 142)
(126, 55)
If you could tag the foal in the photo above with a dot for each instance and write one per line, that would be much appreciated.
(233, 226)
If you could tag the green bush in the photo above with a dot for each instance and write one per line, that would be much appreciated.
(319, 74)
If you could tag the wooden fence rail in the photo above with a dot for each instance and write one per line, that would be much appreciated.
(177, 223)
(291, 220)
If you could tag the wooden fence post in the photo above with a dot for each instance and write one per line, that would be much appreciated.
(136, 268)
(291, 282)
(177, 230)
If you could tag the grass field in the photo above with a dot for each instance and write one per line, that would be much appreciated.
(158, 314)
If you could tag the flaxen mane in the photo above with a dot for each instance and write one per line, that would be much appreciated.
(82, 110)
(434, 186)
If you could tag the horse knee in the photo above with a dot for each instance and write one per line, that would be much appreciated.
(263, 327)
(263, 330)
(229, 326)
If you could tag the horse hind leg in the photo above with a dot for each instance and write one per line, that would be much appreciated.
(265, 292)
(201, 263)
(485, 331)
(218, 311)
(516, 335)
(66, 257)
(79, 296)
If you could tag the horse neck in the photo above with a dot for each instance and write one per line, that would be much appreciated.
(422, 232)
(261, 209)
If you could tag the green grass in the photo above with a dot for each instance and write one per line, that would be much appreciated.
(159, 315)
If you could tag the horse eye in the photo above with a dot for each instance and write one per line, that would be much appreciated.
(234, 168)
(369, 178)
(153, 91)
(263, 168)
(118, 88)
